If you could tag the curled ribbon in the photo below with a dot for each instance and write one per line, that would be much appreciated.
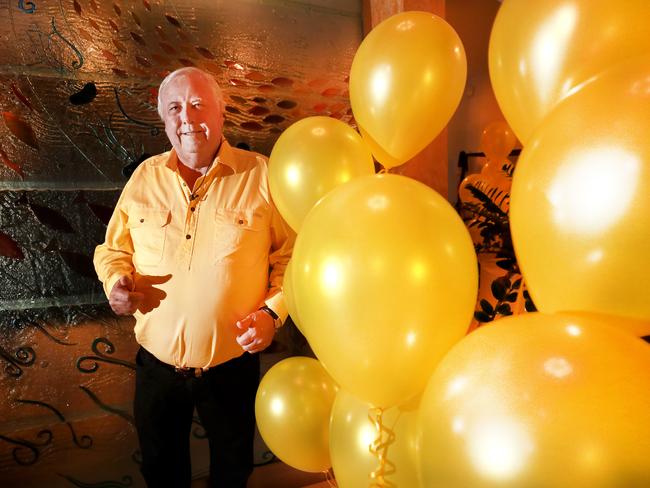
(329, 477)
(379, 449)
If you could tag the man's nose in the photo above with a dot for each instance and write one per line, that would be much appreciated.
(186, 115)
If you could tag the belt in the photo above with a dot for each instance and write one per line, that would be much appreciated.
(184, 372)
(189, 372)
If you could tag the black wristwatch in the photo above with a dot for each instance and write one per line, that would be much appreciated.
(277, 323)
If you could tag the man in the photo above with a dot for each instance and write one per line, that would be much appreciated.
(196, 251)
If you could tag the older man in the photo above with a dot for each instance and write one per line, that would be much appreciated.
(196, 251)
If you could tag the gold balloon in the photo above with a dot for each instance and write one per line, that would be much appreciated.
(580, 206)
(287, 289)
(494, 186)
(385, 280)
(406, 81)
(386, 160)
(638, 328)
(497, 140)
(310, 158)
(493, 168)
(539, 401)
(540, 51)
(352, 434)
(292, 408)
(474, 180)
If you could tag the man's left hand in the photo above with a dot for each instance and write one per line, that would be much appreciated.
(259, 330)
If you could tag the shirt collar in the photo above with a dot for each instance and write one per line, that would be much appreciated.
(224, 157)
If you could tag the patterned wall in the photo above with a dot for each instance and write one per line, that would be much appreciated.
(78, 88)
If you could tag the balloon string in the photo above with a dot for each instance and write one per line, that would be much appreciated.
(329, 477)
(379, 448)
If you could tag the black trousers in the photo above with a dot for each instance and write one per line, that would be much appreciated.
(224, 397)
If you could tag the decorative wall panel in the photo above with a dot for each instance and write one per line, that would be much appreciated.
(78, 95)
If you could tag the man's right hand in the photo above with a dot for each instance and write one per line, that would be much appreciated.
(123, 300)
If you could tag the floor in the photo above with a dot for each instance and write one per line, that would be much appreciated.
(279, 475)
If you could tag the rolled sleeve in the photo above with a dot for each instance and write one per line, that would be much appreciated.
(114, 258)
(282, 240)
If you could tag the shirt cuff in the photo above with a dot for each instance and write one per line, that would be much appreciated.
(110, 282)
(276, 303)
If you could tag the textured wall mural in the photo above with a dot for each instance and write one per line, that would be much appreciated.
(78, 90)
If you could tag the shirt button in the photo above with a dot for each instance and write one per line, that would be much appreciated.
(241, 222)
(141, 220)
(188, 236)
(192, 209)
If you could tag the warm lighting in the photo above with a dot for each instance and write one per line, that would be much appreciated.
(458, 425)
(595, 256)
(427, 77)
(456, 387)
(331, 277)
(574, 330)
(380, 82)
(411, 338)
(558, 367)
(292, 175)
(548, 50)
(405, 25)
(641, 87)
(418, 271)
(523, 68)
(591, 456)
(594, 190)
(277, 406)
(450, 249)
(344, 177)
(499, 447)
(365, 437)
(377, 202)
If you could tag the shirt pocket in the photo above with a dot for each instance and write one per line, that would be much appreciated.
(240, 237)
(148, 228)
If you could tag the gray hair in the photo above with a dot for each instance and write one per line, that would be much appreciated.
(190, 70)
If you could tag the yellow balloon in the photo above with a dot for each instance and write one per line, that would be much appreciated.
(494, 168)
(638, 328)
(406, 81)
(496, 187)
(580, 205)
(539, 400)
(352, 434)
(540, 51)
(310, 158)
(287, 289)
(386, 160)
(476, 181)
(385, 280)
(292, 408)
(497, 140)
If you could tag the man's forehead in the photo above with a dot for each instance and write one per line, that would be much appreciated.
(188, 85)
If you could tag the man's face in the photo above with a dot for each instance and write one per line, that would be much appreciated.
(193, 118)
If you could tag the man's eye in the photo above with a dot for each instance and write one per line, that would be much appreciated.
(173, 108)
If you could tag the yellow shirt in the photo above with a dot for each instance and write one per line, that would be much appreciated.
(204, 262)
